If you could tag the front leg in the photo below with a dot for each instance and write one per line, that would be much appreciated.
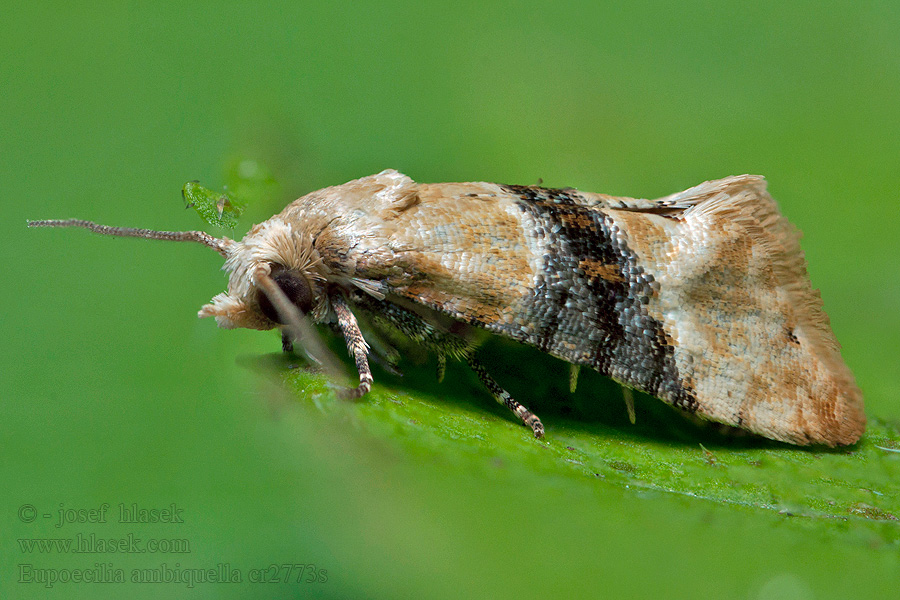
(356, 344)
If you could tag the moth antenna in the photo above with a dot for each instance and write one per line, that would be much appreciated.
(297, 325)
(217, 244)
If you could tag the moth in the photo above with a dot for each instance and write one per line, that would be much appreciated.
(700, 299)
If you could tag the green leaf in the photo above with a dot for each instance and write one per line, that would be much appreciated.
(216, 208)
(589, 437)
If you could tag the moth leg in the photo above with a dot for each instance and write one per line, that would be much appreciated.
(419, 330)
(381, 352)
(413, 326)
(629, 404)
(287, 343)
(441, 366)
(502, 396)
(356, 345)
(574, 370)
(384, 355)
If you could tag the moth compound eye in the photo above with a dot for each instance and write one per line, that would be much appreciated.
(294, 286)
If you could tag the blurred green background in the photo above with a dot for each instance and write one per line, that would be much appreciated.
(113, 392)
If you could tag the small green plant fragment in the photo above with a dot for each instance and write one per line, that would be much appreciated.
(216, 208)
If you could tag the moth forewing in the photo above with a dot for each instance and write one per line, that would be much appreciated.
(749, 333)
(700, 298)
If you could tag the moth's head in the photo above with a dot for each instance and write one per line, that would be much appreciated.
(285, 263)
(276, 275)
(274, 263)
